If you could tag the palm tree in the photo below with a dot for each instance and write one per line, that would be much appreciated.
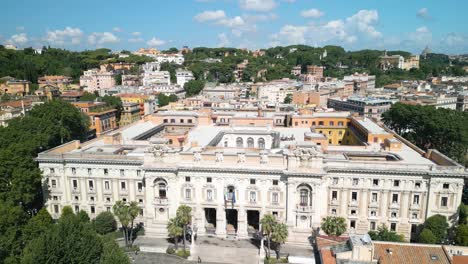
(268, 222)
(279, 236)
(333, 226)
(126, 213)
(184, 215)
(174, 230)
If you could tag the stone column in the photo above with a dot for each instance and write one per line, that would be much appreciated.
(404, 205)
(220, 221)
(200, 220)
(242, 223)
(344, 200)
(384, 204)
(291, 202)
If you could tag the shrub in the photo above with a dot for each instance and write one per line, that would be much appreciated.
(170, 250)
(183, 253)
(105, 223)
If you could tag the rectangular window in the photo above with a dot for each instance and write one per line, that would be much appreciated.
(444, 201)
(91, 185)
(372, 225)
(335, 181)
(89, 171)
(187, 179)
(75, 184)
(122, 173)
(375, 182)
(188, 194)
(56, 208)
(138, 172)
(140, 201)
(106, 171)
(253, 197)
(93, 210)
(333, 211)
(77, 209)
(73, 171)
(208, 179)
(417, 185)
(54, 183)
(396, 183)
(445, 186)
(52, 170)
(395, 198)
(353, 212)
(355, 181)
(123, 186)
(393, 227)
(275, 182)
(334, 195)
(140, 186)
(108, 209)
(416, 199)
(274, 198)
(141, 212)
(108, 199)
(252, 181)
(209, 195)
(354, 196)
(374, 197)
(106, 185)
(352, 224)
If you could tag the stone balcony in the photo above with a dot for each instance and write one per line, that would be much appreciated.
(373, 204)
(415, 207)
(161, 201)
(353, 203)
(304, 208)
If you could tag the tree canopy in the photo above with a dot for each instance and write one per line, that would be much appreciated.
(333, 226)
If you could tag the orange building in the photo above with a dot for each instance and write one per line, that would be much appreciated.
(59, 81)
(14, 87)
(101, 116)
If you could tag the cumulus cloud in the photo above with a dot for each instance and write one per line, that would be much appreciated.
(66, 36)
(223, 40)
(258, 5)
(312, 13)
(423, 13)
(18, 39)
(136, 33)
(154, 42)
(210, 15)
(117, 29)
(101, 38)
(340, 31)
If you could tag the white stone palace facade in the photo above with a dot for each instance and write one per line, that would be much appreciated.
(232, 175)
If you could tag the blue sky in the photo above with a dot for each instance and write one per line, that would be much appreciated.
(122, 24)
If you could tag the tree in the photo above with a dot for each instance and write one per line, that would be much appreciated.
(184, 217)
(112, 254)
(118, 79)
(105, 223)
(37, 225)
(333, 226)
(88, 97)
(427, 237)
(12, 218)
(69, 241)
(164, 100)
(288, 99)
(67, 211)
(193, 87)
(268, 223)
(83, 216)
(175, 230)
(279, 236)
(461, 235)
(463, 214)
(383, 234)
(126, 213)
(438, 225)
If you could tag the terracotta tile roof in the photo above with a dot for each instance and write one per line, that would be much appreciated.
(327, 256)
(16, 104)
(327, 241)
(409, 253)
(460, 259)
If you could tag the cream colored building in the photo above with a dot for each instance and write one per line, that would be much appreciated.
(231, 175)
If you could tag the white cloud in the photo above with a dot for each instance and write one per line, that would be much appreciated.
(101, 38)
(423, 13)
(258, 5)
(422, 30)
(135, 40)
(19, 28)
(210, 16)
(223, 40)
(155, 42)
(68, 35)
(340, 31)
(312, 13)
(18, 39)
(136, 33)
(117, 29)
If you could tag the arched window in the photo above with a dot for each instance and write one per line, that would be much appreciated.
(250, 142)
(261, 143)
(305, 195)
(160, 188)
(239, 142)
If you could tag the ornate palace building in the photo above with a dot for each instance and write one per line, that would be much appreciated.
(234, 167)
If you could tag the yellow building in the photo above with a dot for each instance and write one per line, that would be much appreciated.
(130, 114)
